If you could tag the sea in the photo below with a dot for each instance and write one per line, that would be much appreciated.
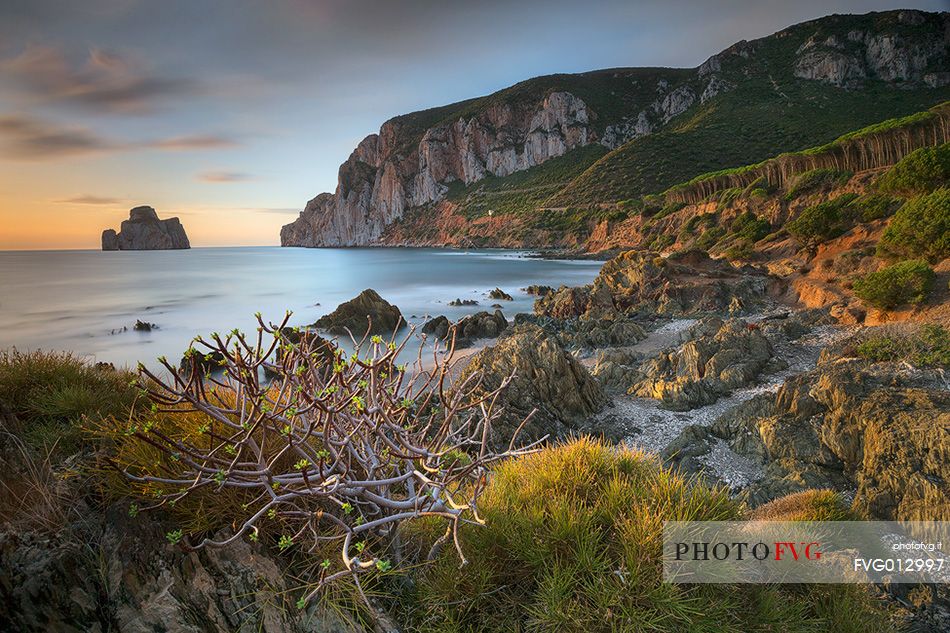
(86, 302)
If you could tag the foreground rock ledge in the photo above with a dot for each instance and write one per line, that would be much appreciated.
(143, 231)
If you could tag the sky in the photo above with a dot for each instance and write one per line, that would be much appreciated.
(231, 114)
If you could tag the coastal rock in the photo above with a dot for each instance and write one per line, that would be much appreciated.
(499, 295)
(538, 290)
(368, 312)
(876, 428)
(546, 377)
(104, 571)
(437, 327)
(479, 326)
(643, 282)
(144, 231)
(463, 302)
(728, 356)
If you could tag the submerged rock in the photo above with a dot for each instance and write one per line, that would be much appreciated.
(546, 377)
(367, 312)
(144, 231)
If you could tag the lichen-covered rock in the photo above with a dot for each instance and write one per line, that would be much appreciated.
(546, 378)
(644, 282)
(368, 311)
(704, 369)
(144, 231)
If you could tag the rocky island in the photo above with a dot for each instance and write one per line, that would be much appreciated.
(144, 231)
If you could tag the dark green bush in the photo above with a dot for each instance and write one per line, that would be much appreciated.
(921, 171)
(817, 179)
(920, 228)
(750, 227)
(874, 206)
(709, 237)
(823, 221)
(896, 285)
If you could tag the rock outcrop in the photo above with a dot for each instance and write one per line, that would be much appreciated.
(881, 429)
(644, 282)
(546, 378)
(726, 356)
(368, 312)
(105, 571)
(143, 231)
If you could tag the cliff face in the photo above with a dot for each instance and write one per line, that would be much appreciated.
(751, 101)
(143, 231)
(381, 180)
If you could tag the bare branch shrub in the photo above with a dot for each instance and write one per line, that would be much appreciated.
(340, 448)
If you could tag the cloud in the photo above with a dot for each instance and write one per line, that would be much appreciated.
(104, 81)
(196, 141)
(224, 176)
(91, 200)
(29, 138)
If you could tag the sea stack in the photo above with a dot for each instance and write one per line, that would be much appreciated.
(143, 231)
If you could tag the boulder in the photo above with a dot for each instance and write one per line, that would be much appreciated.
(479, 326)
(499, 295)
(538, 290)
(546, 378)
(367, 312)
(437, 327)
(145, 231)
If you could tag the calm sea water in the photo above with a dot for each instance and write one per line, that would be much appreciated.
(80, 300)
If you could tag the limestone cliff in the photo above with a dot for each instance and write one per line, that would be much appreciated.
(143, 231)
(381, 180)
(790, 90)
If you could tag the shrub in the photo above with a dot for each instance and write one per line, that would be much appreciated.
(921, 228)
(572, 542)
(750, 227)
(896, 285)
(742, 250)
(817, 179)
(710, 237)
(927, 346)
(874, 206)
(822, 222)
(331, 450)
(921, 171)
